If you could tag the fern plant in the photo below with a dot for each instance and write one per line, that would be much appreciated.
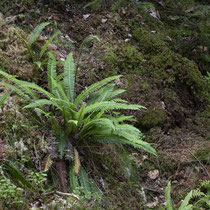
(34, 36)
(87, 116)
(202, 198)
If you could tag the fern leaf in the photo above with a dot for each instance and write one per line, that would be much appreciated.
(105, 105)
(98, 126)
(26, 45)
(4, 98)
(44, 48)
(84, 181)
(36, 32)
(16, 90)
(55, 125)
(58, 90)
(80, 114)
(101, 95)
(185, 202)
(116, 93)
(61, 139)
(69, 77)
(77, 163)
(51, 71)
(129, 129)
(15, 172)
(36, 87)
(126, 118)
(73, 180)
(38, 103)
(128, 138)
(169, 205)
(92, 88)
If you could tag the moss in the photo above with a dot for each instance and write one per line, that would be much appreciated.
(124, 58)
(13, 54)
(203, 121)
(149, 42)
(153, 117)
(203, 155)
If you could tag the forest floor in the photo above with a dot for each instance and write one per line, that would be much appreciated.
(176, 121)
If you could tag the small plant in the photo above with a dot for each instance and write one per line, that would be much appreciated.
(10, 194)
(203, 199)
(86, 117)
(34, 36)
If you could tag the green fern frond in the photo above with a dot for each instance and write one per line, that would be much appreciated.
(36, 87)
(51, 71)
(84, 181)
(73, 181)
(16, 90)
(110, 106)
(44, 48)
(125, 118)
(4, 98)
(58, 90)
(61, 139)
(101, 95)
(40, 102)
(92, 88)
(129, 129)
(116, 93)
(69, 77)
(26, 45)
(80, 114)
(205, 183)
(99, 126)
(169, 205)
(185, 202)
(128, 138)
(197, 193)
(15, 172)
(36, 32)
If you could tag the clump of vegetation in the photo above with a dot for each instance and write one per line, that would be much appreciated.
(124, 58)
(153, 117)
(85, 118)
(195, 199)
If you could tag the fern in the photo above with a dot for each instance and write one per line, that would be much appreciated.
(44, 48)
(84, 181)
(169, 205)
(69, 77)
(36, 33)
(93, 88)
(51, 71)
(4, 98)
(87, 116)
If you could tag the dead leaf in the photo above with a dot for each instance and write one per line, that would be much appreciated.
(153, 174)
(153, 204)
(190, 10)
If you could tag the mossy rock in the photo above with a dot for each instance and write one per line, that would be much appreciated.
(153, 117)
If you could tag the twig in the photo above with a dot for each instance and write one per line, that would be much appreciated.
(68, 194)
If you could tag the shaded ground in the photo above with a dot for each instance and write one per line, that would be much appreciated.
(171, 86)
